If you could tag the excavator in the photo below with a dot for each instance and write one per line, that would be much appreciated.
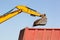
(22, 8)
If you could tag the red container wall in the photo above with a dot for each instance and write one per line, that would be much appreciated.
(39, 34)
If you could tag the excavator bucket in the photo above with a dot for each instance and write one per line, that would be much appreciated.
(40, 22)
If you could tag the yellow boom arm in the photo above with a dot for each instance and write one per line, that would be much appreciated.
(9, 15)
(21, 8)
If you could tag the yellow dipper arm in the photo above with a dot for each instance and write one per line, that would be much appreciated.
(28, 10)
(9, 15)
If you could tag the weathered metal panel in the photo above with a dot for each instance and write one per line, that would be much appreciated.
(39, 34)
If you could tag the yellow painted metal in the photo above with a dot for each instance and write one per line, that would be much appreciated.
(5, 17)
(20, 8)
(28, 10)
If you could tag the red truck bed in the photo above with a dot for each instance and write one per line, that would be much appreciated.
(39, 34)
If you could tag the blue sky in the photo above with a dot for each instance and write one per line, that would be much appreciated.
(9, 30)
